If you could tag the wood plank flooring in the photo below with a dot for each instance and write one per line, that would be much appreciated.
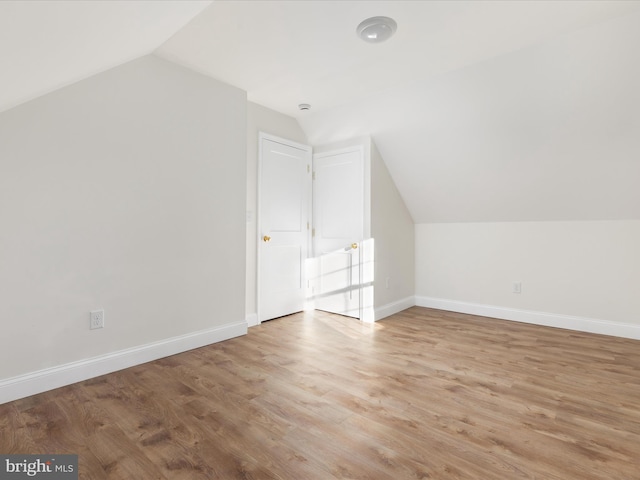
(424, 394)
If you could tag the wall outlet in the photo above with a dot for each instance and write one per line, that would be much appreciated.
(96, 319)
(517, 287)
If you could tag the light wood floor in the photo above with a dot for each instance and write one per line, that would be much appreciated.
(422, 394)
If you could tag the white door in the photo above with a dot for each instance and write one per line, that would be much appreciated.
(338, 212)
(283, 229)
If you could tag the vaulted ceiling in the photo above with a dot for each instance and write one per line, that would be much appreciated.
(482, 110)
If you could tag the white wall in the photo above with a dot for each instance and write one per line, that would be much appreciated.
(121, 192)
(542, 145)
(393, 230)
(260, 119)
(583, 275)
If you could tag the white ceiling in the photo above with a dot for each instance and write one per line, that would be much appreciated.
(47, 44)
(483, 110)
(288, 52)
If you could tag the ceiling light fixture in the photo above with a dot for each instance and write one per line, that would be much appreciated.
(304, 106)
(376, 29)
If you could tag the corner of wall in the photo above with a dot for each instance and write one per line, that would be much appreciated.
(392, 228)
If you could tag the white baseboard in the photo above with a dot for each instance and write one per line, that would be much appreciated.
(394, 307)
(582, 324)
(55, 377)
(252, 319)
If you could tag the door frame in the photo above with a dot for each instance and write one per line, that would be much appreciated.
(261, 137)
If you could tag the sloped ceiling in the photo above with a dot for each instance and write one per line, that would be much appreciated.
(47, 44)
(482, 110)
(550, 132)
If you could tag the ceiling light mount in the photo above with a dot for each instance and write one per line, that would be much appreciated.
(376, 29)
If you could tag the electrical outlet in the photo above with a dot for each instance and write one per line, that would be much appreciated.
(517, 287)
(96, 319)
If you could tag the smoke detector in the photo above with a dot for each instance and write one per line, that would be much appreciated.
(304, 106)
(376, 29)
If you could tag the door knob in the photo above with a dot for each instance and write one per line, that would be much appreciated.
(354, 245)
(266, 238)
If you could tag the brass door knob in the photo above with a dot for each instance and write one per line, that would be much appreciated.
(354, 245)
(266, 238)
